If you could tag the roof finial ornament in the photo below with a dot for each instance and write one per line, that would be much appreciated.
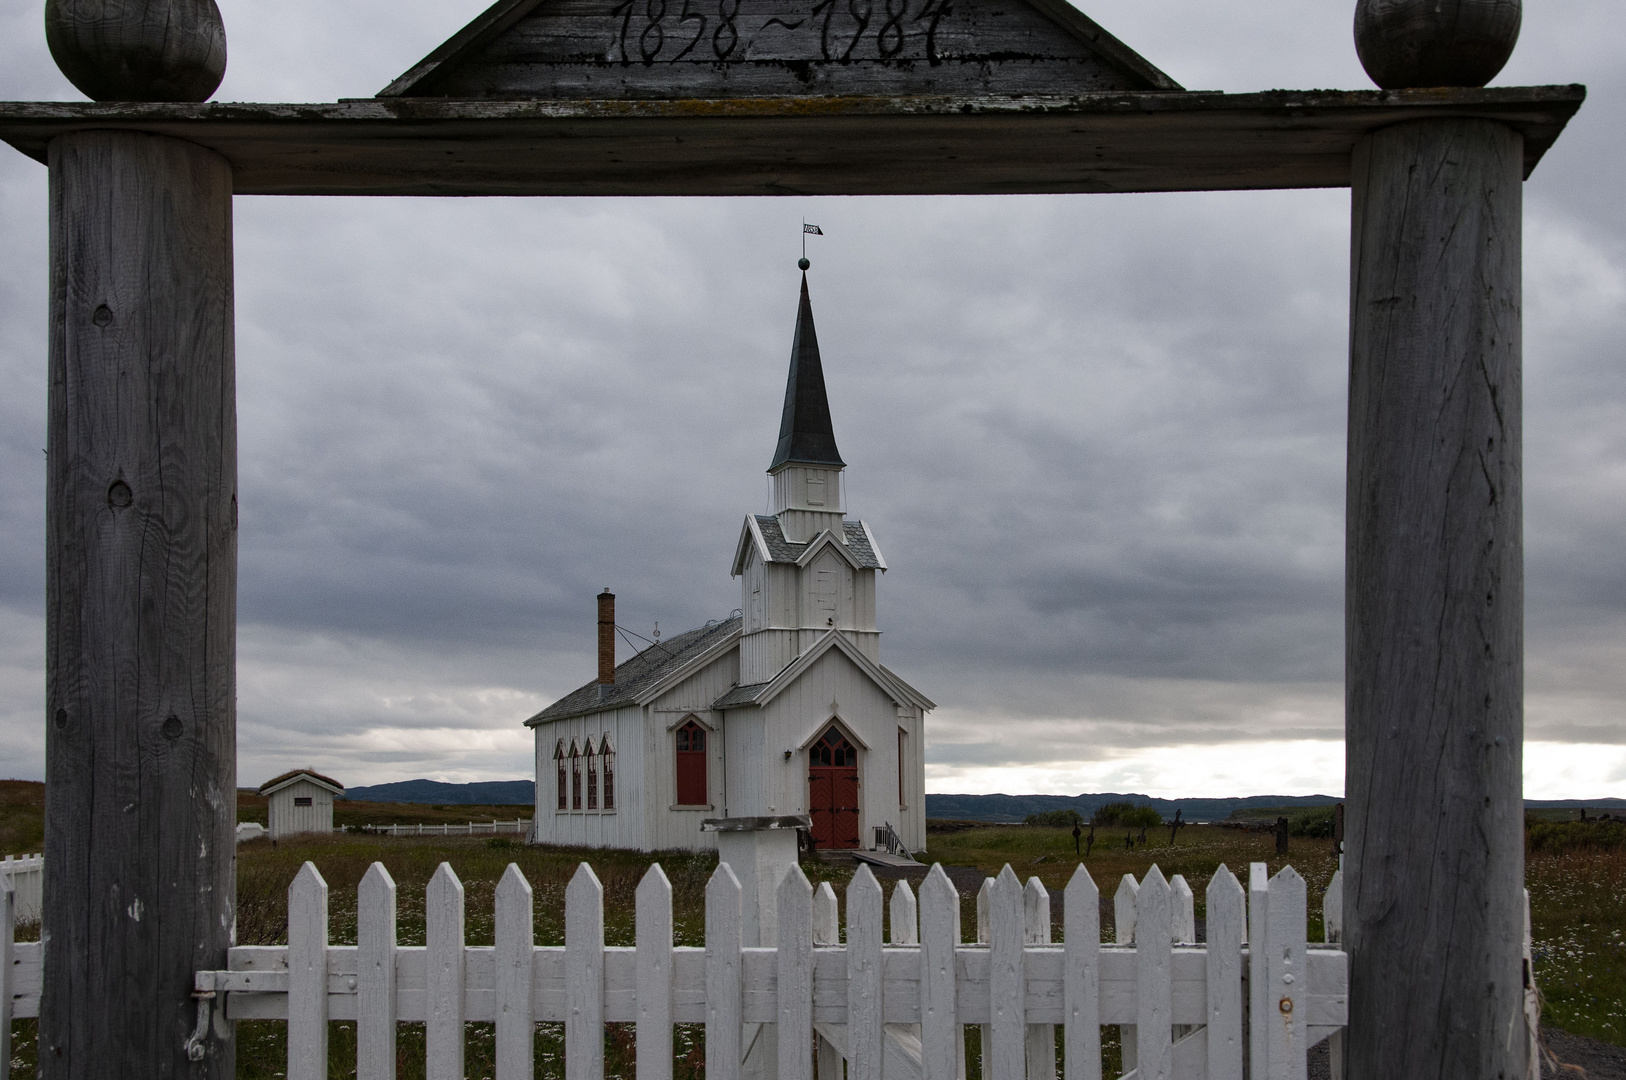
(806, 228)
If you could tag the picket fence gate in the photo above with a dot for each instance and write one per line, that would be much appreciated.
(1219, 1011)
(25, 876)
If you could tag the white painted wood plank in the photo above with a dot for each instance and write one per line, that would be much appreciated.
(584, 976)
(654, 973)
(724, 936)
(1184, 927)
(826, 917)
(865, 1039)
(905, 915)
(307, 975)
(1227, 917)
(984, 922)
(1332, 921)
(375, 975)
(794, 976)
(1040, 1038)
(829, 1056)
(941, 1037)
(1285, 1010)
(1258, 906)
(445, 969)
(1123, 931)
(1154, 982)
(8, 935)
(1532, 1009)
(515, 940)
(1081, 930)
(1007, 929)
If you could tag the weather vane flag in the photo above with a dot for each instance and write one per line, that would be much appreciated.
(806, 229)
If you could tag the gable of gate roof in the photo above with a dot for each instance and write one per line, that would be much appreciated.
(716, 49)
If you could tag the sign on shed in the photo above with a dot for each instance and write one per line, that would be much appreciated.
(709, 49)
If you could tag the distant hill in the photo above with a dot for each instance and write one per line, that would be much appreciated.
(489, 793)
(1011, 808)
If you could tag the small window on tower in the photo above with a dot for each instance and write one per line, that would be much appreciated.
(302, 800)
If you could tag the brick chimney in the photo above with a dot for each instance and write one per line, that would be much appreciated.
(606, 638)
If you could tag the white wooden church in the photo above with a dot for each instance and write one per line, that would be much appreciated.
(784, 709)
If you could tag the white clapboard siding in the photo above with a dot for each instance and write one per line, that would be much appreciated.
(857, 996)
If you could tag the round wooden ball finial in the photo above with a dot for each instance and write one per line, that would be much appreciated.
(1415, 43)
(138, 50)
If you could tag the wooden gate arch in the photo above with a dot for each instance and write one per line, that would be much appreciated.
(770, 97)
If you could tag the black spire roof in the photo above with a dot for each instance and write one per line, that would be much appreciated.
(806, 435)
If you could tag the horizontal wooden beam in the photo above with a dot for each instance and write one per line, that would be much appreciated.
(1186, 141)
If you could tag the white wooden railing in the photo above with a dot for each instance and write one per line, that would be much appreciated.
(25, 876)
(1185, 1011)
(520, 826)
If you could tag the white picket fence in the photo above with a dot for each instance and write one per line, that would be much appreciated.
(25, 876)
(892, 1010)
(521, 826)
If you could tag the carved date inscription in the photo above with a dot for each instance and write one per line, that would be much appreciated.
(668, 31)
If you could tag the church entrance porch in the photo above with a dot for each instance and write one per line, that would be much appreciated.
(832, 791)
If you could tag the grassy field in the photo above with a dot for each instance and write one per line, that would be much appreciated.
(1576, 874)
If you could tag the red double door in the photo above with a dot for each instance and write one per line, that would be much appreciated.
(832, 791)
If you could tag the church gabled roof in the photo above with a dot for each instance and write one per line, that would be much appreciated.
(806, 435)
(635, 677)
(762, 693)
(768, 536)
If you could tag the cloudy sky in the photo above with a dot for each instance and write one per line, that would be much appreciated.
(1100, 439)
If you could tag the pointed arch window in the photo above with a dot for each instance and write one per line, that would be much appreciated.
(592, 777)
(575, 777)
(563, 782)
(606, 756)
(691, 765)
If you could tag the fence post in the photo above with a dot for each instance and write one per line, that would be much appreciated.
(1154, 1048)
(1227, 914)
(795, 976)
(1123, 929)
(942, 1041)
(826, 931)
(724, 990)
(1287, 998)
(584, 976)
(865, 907)
(654, 944)
(307, 975)
(1040, 1038)
(515, 941)
(447, 974)
(1081, 980)
(984, 926)
(375, 975)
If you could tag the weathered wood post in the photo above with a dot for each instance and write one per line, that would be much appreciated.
(1434, 620)
(141, 562)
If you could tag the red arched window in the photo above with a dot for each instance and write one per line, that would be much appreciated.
(691, 765)
(559, 764)
(606, 755)
(592, 777)
(575, 777)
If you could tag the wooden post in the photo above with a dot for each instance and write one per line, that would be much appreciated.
(141, 579)
(1435, 605)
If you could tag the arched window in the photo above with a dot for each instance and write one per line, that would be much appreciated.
(592, 777)
(559, 764)
(691, 765)
(575, 777)
(606, 754)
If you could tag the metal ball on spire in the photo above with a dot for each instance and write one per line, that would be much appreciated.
(138, 50)
(803, 263)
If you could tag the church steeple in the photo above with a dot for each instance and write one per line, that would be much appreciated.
(806, 435)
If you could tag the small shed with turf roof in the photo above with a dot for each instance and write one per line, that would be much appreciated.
(300, 801)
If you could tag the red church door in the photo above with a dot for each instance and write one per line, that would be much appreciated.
(832, 791)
